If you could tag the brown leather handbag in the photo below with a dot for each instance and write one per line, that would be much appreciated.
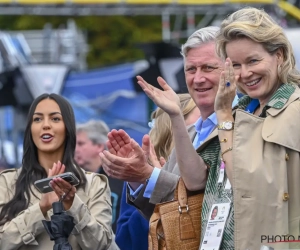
(176, 225)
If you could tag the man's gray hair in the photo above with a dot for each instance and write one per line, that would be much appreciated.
(199, 37)
(96, 131)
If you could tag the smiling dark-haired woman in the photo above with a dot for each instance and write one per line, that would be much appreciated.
(49, 145)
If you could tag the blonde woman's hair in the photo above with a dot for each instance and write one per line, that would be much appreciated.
(161, 134)
(258, 26)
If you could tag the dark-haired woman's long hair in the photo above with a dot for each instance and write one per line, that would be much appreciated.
(31, 169)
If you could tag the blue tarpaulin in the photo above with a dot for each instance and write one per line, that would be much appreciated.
(108, 94)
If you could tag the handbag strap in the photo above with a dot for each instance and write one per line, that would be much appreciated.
(186, 228)
(153, 226)
(180, 193)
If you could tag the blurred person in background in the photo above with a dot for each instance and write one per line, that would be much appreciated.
(161, 135)
(132, 227)
(91, 139)
(49, 146)
(3, 164)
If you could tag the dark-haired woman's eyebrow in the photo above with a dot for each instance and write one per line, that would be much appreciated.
(53, 113)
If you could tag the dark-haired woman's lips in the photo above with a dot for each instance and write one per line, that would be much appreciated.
(46, 137)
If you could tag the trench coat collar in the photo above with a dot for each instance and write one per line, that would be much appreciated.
(273, 111)
(278, 102)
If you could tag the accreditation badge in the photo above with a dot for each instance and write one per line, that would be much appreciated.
(215, 226)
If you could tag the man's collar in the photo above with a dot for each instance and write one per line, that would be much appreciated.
(212, 119)
(235, 101)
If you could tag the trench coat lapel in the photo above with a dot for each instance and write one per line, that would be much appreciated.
(278, 130)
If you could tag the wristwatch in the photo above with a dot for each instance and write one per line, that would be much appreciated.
(227, 125)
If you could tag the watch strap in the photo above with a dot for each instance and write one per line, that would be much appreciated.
(226, 125)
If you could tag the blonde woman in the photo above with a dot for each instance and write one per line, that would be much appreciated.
(161, 135)
(262, 149)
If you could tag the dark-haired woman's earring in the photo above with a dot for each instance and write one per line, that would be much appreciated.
(227, 84)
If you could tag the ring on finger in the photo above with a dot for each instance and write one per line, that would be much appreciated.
(63, 196)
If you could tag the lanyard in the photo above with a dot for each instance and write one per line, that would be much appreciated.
(222, 177)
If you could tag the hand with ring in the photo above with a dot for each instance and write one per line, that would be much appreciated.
(64, 191)
(227, 89)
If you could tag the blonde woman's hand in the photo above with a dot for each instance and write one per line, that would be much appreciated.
(162, 161)
(153, 157)
(166, 99)
(227, 89)
(48, 198)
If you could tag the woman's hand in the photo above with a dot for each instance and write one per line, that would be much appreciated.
(166, 99)
(48, 198)
(153, 158)
(227, 89)
(64, 191)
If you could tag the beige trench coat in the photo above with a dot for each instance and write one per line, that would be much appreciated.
(266, 177)
(91, 210)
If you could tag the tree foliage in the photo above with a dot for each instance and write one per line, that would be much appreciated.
(111, 39)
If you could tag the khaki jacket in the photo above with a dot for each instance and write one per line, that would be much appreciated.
(266, 177)
(91, 210)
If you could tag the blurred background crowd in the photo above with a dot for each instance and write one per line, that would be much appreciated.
(91, 51)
